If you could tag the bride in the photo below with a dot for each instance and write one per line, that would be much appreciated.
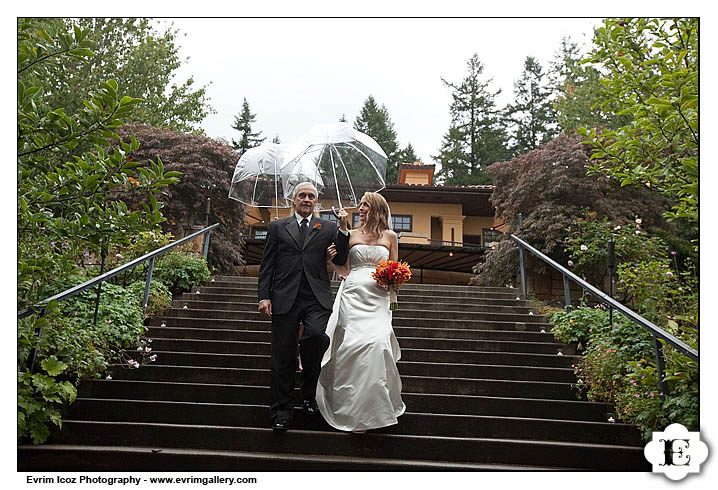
(359, 386)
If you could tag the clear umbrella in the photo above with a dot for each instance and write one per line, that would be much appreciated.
(257, 181)
(340, 161)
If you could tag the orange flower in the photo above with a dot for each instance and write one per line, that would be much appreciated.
(392, 275)
(317, 226)
(133, 181)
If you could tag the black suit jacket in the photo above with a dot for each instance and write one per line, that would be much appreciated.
(285, 257)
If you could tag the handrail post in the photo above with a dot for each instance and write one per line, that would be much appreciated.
(611, 266)
(660, 365)
(146, 297)
(523, 270)
(521, 259)
(566, 291)
(206, 244)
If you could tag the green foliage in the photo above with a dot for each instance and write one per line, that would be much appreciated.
(532, 114)
(143, 59)
(40, 397)
(579, 100)
(408, 155)
(180, 272)
(477, 136)
(243, 123)
(72, 348)
(374, 121)
(64, 196)
(550, 188)
(159, 299)
(207, 167)
(576, 324)
(587, 246)
(666, 297)
(67, 174)
(651, 68)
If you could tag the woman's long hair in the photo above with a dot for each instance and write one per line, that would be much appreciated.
(377, 219)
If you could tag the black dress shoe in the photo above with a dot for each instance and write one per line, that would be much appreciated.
(280, 425)
(310, 407)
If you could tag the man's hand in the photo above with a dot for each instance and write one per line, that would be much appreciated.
(331, 252)
(343, 219)
(265, 307)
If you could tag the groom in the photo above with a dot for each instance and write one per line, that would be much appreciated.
(294, 287)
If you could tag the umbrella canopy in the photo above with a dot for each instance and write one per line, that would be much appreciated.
(340, 161)
(257, 181)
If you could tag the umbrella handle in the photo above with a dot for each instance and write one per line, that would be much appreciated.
(334, 211)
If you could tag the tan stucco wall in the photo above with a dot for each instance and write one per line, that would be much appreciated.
(450, 214)
(421, 218)
(474, 224)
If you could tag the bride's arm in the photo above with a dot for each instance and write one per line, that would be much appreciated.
(393, 246)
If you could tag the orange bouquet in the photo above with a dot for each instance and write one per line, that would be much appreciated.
(392, 275)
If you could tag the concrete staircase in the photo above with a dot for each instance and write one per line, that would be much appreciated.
(483, 382)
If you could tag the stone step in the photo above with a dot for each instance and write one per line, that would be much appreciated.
(374, 445)
(410, 423)
(407, 290)
(263, 323)
(77, 458)
(425, 299)
(458, 370)
(210, 359)
(416, 384)
(419, 402)
(400, 313)
(412, 285)
(203, 302)
(254, 347)
(428, 333)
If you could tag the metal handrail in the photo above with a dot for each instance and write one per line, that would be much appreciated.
(68, 293)
(657, 332)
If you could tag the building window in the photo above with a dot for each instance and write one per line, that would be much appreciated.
(259, 233)
(490, 235)
(401, 223)
(329, 216)
(355, 221)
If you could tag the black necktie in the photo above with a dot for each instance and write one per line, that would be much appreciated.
(303, 228)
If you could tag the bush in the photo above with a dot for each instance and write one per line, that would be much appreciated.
(72, 348)
(159, 299)
(181, 271)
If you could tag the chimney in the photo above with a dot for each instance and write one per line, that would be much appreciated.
(416, 173)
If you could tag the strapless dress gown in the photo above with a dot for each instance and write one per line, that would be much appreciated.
(359, 385)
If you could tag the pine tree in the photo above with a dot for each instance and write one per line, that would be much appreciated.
(243, 123)
(343, 118)
(276, 139)
(532, 113)
(408, 155)
(578, 93)
(477, 136)
(374, 121)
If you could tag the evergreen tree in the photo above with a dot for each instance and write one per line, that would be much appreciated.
(343, 118)
(374, 121)
(477, 136)
(243, 123)
(577, 92)
(532, 113)
(408, 155)
(276, 139)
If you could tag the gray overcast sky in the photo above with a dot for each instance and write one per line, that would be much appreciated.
(299, 72)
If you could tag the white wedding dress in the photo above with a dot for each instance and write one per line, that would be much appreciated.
(359, 385)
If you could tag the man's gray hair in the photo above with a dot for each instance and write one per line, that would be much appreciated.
(304, 184)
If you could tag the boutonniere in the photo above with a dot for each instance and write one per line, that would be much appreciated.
(316, 226)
